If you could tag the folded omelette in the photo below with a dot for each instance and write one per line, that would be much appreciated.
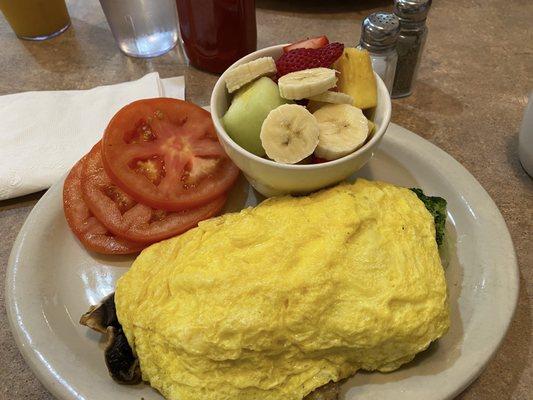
(280, 299)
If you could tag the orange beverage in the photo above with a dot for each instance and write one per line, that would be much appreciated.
(36, 19)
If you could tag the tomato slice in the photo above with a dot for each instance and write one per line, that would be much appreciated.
(165, 153)
(90, 232)
(313, 43)
(122, 215)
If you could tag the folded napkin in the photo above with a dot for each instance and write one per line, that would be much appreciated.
(43, 134)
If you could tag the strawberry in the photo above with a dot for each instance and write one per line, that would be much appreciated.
(313, 43)
(317, 160)
(300, 59)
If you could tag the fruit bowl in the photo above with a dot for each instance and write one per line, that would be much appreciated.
(273, 179)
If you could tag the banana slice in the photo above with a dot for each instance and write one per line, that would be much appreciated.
(306, 83)
(333, 97)
(239, 76)
(289, 134)
(343, 129)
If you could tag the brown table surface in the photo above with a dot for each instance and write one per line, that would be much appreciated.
(471, 91)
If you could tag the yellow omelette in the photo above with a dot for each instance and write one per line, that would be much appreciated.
(278, 300)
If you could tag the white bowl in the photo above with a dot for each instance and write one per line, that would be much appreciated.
(271, 178)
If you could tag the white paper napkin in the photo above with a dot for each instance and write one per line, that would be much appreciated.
(43, 134)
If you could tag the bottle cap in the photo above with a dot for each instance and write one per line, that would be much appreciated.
(380, 31)
(412, 10)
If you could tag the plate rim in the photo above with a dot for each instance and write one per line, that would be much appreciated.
(61, 389)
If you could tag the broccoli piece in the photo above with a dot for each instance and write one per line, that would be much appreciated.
(437, 207)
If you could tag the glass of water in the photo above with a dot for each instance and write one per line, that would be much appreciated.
(142, 28)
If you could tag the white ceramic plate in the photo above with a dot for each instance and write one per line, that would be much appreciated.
(52, 280)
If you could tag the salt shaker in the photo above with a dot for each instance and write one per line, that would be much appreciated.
(413, 32)
(379, 33)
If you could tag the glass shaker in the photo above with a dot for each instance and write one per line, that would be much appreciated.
(379, 34)
(413, 32)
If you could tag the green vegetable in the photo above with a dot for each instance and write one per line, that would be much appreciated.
(437, 207)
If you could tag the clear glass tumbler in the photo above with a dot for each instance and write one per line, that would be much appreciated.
(142, 28)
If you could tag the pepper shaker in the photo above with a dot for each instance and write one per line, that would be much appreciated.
(379, 33)
(413, 32)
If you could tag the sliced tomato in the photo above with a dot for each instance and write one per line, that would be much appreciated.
(165, 153)
(313, 43)
(124, 216)
(90, 232)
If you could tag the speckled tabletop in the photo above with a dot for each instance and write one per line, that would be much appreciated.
(471, 91)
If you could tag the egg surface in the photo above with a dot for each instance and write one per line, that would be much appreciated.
(278, 300)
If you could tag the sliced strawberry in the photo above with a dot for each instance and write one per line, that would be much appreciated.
(317, 160)
(300, 59)
(302, 102)
(313, 43)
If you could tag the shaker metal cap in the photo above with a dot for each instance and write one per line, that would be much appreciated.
(412, 10)
(380, 30)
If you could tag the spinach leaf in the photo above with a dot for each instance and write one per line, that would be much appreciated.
(437, 207)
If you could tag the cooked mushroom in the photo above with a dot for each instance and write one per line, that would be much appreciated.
(329, 391)
(122, 364)
(102, 315)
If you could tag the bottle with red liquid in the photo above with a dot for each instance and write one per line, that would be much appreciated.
(216, 33)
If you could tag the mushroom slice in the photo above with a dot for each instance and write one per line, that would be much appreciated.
(329, 391)
(122, 364)
(102, 315)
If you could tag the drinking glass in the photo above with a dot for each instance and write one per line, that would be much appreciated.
(36, 19)
(142, 28)
(216, 33)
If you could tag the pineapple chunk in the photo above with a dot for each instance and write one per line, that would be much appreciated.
(357, 77)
